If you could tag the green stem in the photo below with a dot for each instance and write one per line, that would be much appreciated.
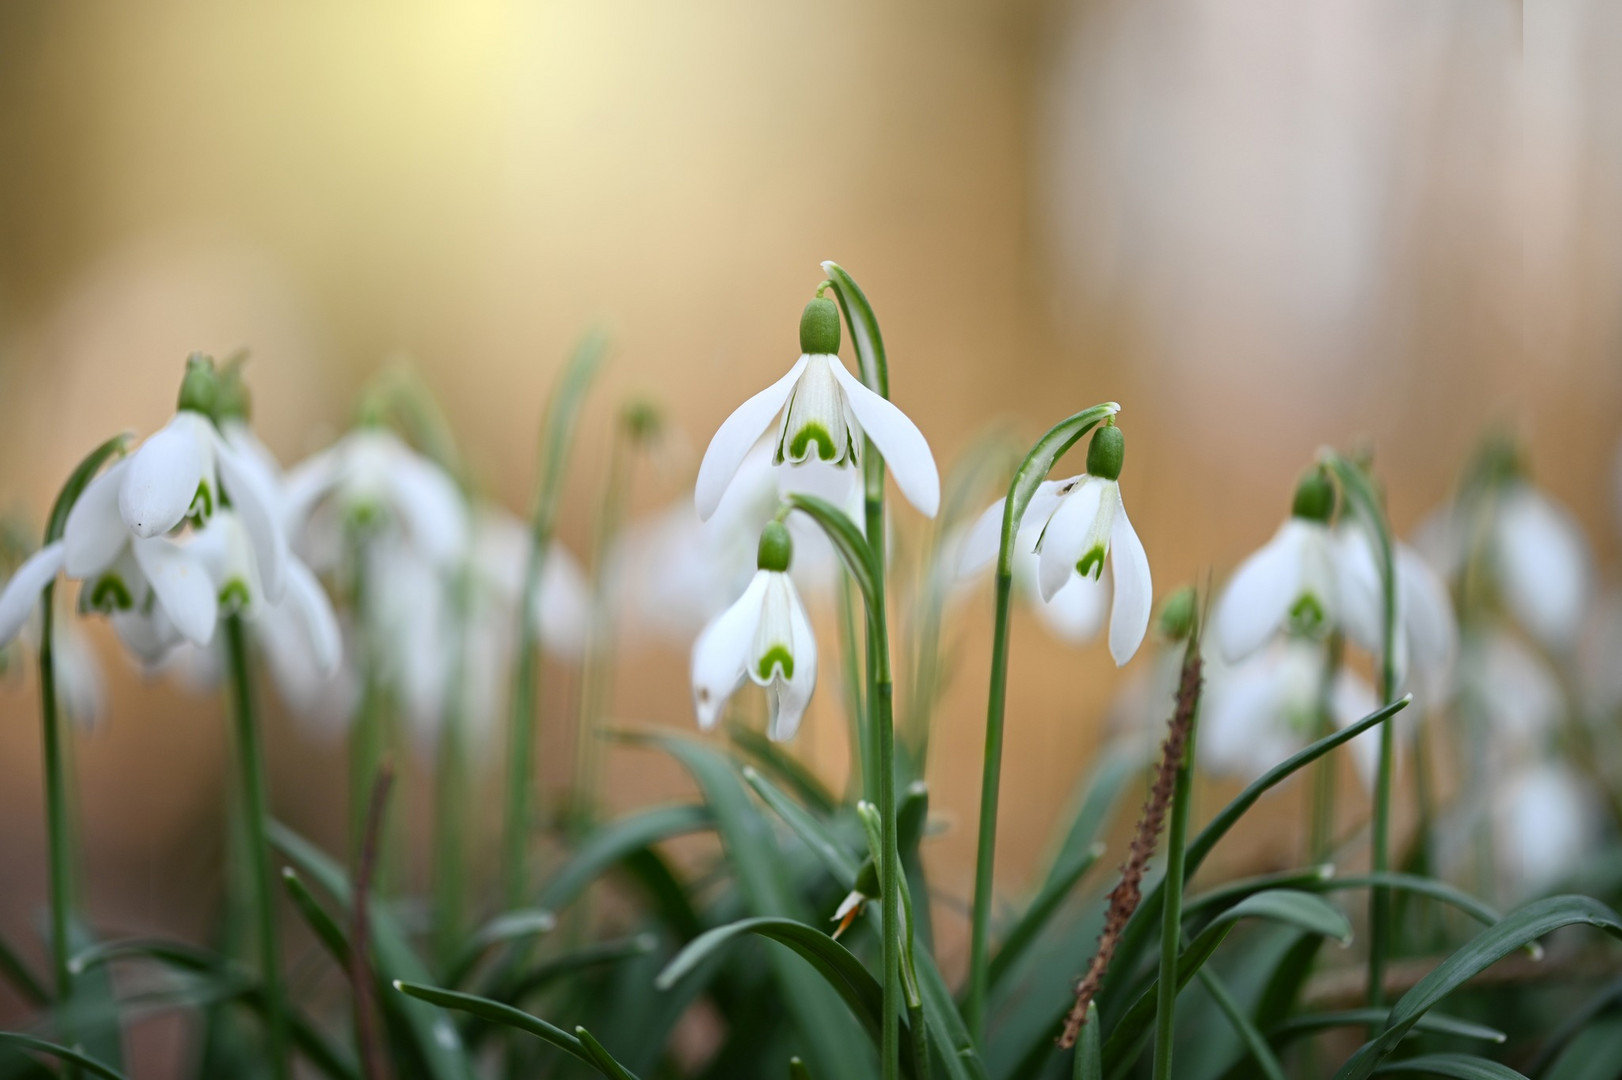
(880, 711)
(1322, 837)
(990, 788)
(920, 1041)
(862, 773)
(1171, 912)
(256, 808)
(56, 813)
(450, 791)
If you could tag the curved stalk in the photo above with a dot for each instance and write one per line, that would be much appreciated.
(1032, 471)
(256, 807)
(56, 814)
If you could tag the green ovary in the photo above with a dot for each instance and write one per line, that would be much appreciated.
(776, 657)
(808, 434)
(1092, 563)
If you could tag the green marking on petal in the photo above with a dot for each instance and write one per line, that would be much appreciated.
(1092, 563)
(1307, 615)
(111, 594)
(202, 504)
(776, 656)
(234, 595)
(808, 434)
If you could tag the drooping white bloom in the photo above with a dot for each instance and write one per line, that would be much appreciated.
(1074, 525)
(1260, 711)
(764, 637)
(1427, 634)
(79, 683)
(826, 411)
(1546, 820)
(370, 477)
(1514, 691)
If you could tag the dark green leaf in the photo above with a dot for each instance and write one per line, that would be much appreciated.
(846, 538)
(1089, 1061)
(1255, 1042)
(776, 760)
(864, 329)
(602, 1058)
(947, 1031)
(610, 844)
(40, 1046)
(497, 1013)
(1457, 1066)
(508, 926)
(321, 923)
(1434, 1023)
(840, 863)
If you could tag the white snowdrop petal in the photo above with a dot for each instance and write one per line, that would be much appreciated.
(1351, 698)
(563, 604)
(1066, 531)
(733, 439)
(150, 638)
(1542, 565)
(1259, 595)
(1076, 613)
(254, 498)
(983, 542)
(721, 653)
(307, 483)
(308, 600)
(161, 480)
(95, 532)
(904, 447)
(430, 506)
(21, 594)
(1428, 624)
(789, 698)
(1134, 588)
(183, 586)
(1360, 594)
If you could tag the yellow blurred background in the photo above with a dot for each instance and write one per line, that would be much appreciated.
(1260, 225)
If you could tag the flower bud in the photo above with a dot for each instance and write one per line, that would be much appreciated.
(819, 327)
(1314, 496)
(199, 387)
(1106, 453)
(776, 548)
(1177, 614)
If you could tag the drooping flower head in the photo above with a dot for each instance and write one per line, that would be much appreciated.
(1074, 526)
(825, 413)
(764, 638)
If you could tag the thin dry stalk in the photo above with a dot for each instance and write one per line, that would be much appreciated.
(1124, 900)
(374, 1065)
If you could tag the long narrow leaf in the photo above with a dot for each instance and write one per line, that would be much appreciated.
(497, 1013)
(40, 1046)
(1433, 1023)
(613, 843)
(840, 863)
(1255, 1042)
(1457, 1066)
(601, 1057)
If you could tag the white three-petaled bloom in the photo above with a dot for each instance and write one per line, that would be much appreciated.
(1074, 525)
(764, 637)
(826, 411)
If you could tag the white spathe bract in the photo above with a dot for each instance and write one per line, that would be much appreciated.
(189, 471)
(1074, 526)
(1289, 582)
(764, 637)
(370, 475)
(826, 411)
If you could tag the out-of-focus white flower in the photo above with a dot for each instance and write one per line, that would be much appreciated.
(1513, 689)
(764, 637)
(79, 684)
(1533, 550)
(1427, 635)
(369, 477)
(1072, 526)
(1260, 711)
(826, 411)
(1546, 819)
(1291, 583)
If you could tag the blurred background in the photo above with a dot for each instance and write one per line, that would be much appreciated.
(1260, 225)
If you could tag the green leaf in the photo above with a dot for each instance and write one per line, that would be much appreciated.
(1531, 922)
(497, 1013)
(1457, 1066)
(78, 480)
(40, 1046)
(846, 538)
(864, 329)
(1302, 910)
(797, 1070)
(785, 767)
(595, 954)
(1089, 1059)
(508, 926)
(1254, 1041)
(816, 836)
(317, 918)
(434, 1036)
(1233, 891)
(21, 976)
(1432, 1023)
(947, 1031)
(611, 844)
(602, 1058)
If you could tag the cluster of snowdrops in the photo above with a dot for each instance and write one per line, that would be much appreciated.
(374, 585)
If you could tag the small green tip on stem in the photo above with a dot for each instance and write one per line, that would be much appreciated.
(1314, 496)
(1107, 452)
(776, 549)
(1178, 614)
(819, 327)
(199, 387)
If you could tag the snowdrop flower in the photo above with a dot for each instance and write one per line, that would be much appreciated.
(1546, 821)
(188, 470)
(1519, 697)
(79, 683)
(1290, 583)
(1267, 707)
(764, 637)
(826, 411)
(370, 477)
(1427, 635)
(1072, 526)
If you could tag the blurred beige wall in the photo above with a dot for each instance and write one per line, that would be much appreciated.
(1261, 226)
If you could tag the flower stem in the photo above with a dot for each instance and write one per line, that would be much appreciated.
(880, 712)
(450, 789)
(255, 802)
(56, 814)
(990, 787)
(1171, 913)
(1322, 836)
